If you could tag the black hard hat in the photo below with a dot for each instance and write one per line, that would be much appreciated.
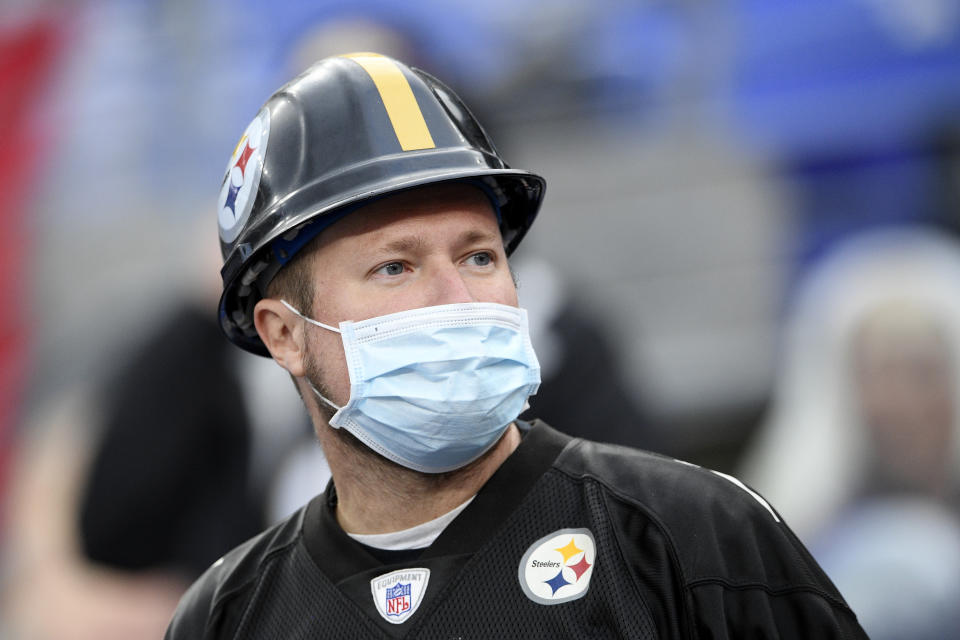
(348, 130)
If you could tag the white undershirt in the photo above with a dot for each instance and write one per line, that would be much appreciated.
(418, 537)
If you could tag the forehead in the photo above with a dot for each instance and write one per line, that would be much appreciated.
(416, 210)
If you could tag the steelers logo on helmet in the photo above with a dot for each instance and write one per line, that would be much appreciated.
(240, 183)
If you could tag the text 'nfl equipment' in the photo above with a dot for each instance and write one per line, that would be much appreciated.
(349, 130)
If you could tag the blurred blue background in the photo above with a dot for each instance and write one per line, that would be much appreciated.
(702, 159)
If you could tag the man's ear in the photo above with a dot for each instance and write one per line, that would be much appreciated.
(282, 332)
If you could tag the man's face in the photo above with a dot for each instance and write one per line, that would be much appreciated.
(430, 246)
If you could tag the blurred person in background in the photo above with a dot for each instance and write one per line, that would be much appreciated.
(128, 486)
(861, 450)
(364, 194)
(51, 590)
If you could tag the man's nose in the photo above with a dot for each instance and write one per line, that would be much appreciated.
(448, 286)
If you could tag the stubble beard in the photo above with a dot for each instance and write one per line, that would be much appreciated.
(314, 373)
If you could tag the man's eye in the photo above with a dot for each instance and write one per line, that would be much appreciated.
(391, 269)
(481, 259)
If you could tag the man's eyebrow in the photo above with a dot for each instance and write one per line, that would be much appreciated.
(402, 245)
(413, 243)
(474, 236)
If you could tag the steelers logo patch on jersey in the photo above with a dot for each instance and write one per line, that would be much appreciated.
(240, 184)
(397, 594)
(557, 568)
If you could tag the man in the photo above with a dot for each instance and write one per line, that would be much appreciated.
(366, 221)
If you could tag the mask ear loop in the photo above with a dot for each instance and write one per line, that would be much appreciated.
(324, 326)
(310, 320)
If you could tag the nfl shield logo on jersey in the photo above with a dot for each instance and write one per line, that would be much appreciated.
(398, 599)
(398, 594)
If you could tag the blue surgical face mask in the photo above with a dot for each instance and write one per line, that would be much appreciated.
(434, 388)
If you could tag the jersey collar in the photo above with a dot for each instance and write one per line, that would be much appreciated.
(339, 556)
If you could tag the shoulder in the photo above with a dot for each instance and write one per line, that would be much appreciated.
(215, 600)
(662, 484)
(717, 527)
(713, 555)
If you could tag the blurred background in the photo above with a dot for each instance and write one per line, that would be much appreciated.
(746, 258)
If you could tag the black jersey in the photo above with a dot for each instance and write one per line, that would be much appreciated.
(569, 538)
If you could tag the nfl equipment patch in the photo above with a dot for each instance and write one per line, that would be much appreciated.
(397, 594)
(557, 568)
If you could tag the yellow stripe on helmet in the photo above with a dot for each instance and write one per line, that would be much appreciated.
(398, 98)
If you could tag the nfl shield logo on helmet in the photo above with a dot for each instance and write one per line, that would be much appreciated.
(398, 594)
